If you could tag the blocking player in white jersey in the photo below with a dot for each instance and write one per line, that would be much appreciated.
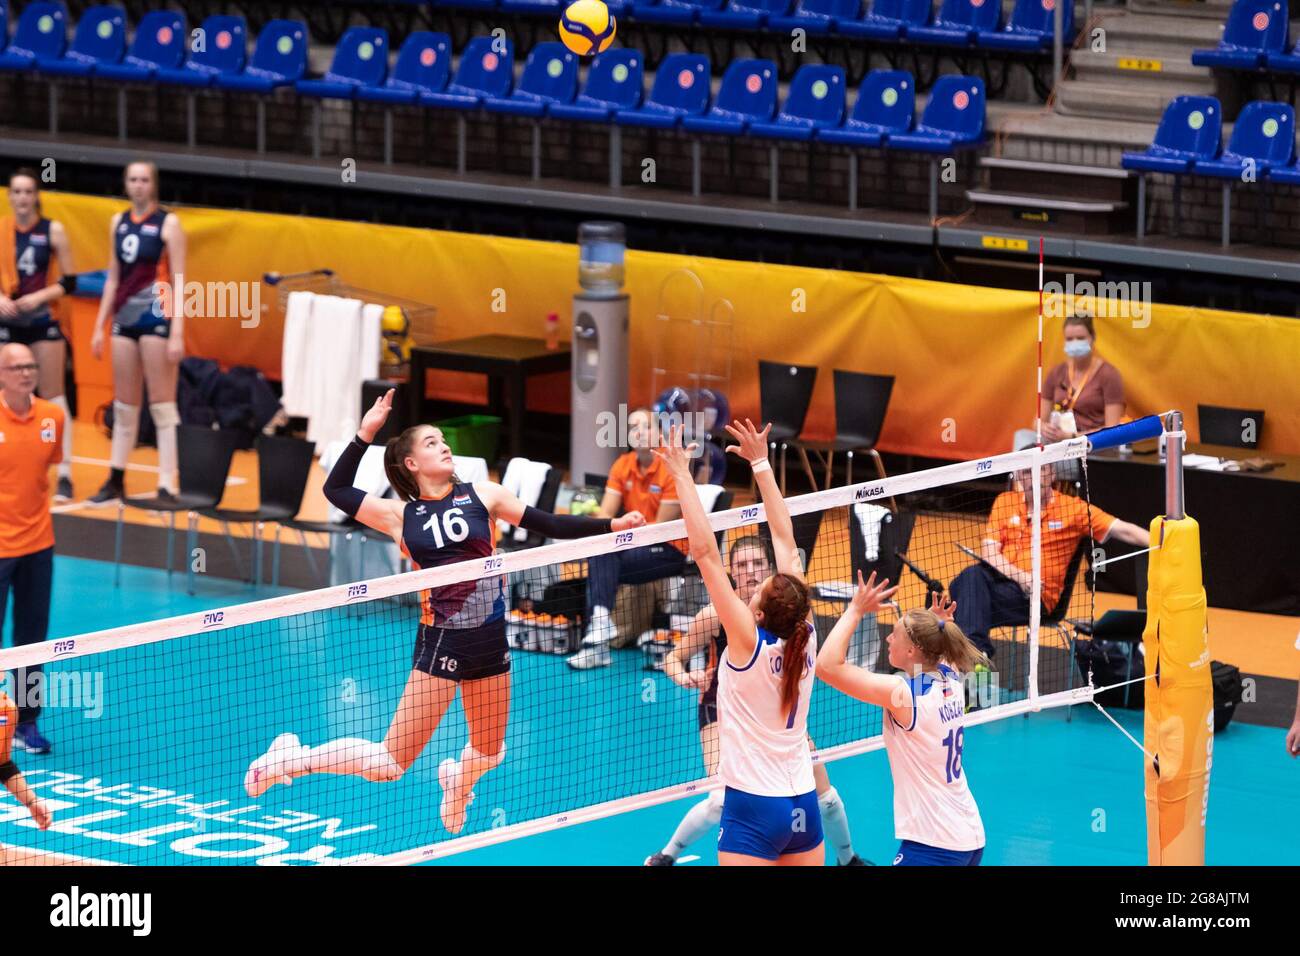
(935, 816)
(770, 815)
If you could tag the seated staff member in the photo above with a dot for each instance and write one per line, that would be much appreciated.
(637, 482)
(936, 819)
(996, 594)
(1081, 394)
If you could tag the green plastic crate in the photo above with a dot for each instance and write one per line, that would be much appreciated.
(472, 436)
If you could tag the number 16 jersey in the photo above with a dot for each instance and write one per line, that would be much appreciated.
(455, 527)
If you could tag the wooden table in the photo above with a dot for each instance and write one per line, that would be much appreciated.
(507, 361)
(1250, 523)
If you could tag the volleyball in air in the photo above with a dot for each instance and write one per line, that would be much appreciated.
(587, 27)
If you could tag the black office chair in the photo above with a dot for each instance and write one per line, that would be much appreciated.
(1229, 426)
(283, 467)
(784, 394)
(1054, 617)
(860, 404)
(205, 455)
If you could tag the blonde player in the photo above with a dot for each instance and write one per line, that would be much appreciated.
(461, 638)
(770, 815)
(749, 562)
(935, 815)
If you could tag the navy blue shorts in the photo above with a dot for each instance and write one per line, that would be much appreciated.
(463, 653)
(919, 854)
(159, 327)
(38, 330)
(769, 827)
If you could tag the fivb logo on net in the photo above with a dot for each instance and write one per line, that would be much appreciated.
(1107, 300)
(612, 429)
(211, 300)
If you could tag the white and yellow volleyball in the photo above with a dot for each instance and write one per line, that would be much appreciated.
(587, 27)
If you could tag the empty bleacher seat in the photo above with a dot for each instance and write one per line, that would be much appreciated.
(100, 38)
(550, 76)
(681, 89)
(673, 11)
(888, 19)
(815, 102)
(1281, 62)
(614, 82)
(1189, 130)
(224, 49)
(744, 14)
(423, 66)
(953, 117)
(958, 23)
(815, 16)
(279, 59)
(1253, 30)
(747, 95)
(159, 43)
(1262, 137)
(42, 33)
(538, 7)
(360, 59)
(482, 72)
(885, 105)
(1290, 175)
(1031, 27)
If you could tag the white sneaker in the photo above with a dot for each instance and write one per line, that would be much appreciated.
(591, 655)
(455, 801)
(268, 770)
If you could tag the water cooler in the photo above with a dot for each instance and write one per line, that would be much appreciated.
(600, 344)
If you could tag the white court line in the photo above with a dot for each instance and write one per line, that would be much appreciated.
(687, 859)
(152, 469)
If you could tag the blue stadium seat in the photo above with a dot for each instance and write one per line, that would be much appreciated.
(4, 25)
(540, 7)
(958, 23)
(472, 4)
(360, 59)
(1285, 62)
(815, 16)
(482, 73)
(42, 33)
(1189, 130)
(279, 59)
(100, 38)
(747, 95)
(953, 118)
(1031, 27)
(885, 106)
(224, 50)
(673, 11)
(815, 102)
(888, 19)
(1262, 136)
(1253, 30)
(681, 88)
(159, 43)
(744, 14)
(550, 75)
(1285, 174)
(614, 82)
(423, 66)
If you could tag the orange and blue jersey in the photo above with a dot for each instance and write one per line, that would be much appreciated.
(440, 531)
(32, 257)
(141, 255)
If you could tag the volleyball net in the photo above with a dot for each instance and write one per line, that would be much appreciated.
(154, 771)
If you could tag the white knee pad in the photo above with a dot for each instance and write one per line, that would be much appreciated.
(126, 417)
(715, 801)
(165, 414)
(381, 767)
(829, 801)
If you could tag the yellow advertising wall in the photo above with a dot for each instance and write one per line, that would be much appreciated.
(963, 356)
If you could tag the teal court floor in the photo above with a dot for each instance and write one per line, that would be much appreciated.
(148, 765)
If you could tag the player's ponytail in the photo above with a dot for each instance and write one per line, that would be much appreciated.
(785, 613)
(942, 642)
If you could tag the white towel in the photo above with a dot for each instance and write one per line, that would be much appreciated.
(708, 497)
(470, 470)
(869, 519)
(524, 480)
(295, 355)
(372, 340)
(336, 383)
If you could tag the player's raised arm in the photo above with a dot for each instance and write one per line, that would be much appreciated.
(374, 512)
(751, 444)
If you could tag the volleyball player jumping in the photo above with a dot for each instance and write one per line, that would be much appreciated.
(461, 640)
(935, 815)
(749, 562)
(770, 815)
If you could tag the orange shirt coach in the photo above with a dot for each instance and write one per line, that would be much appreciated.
(29, 445)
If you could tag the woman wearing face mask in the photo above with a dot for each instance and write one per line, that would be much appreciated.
(1083, 393)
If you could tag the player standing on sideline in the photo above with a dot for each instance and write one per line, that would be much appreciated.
(935, 815)
(144, 296)
(461, 640)
(35, 272)
(31, 439)
(749, 562)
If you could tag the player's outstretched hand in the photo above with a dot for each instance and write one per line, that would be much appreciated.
(941, 607)
(40, 814)
(378, 414)
(633, 519)
(676, 457)
(870, 595)
(751, 444)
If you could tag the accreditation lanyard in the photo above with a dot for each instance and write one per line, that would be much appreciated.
(1076, 392)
